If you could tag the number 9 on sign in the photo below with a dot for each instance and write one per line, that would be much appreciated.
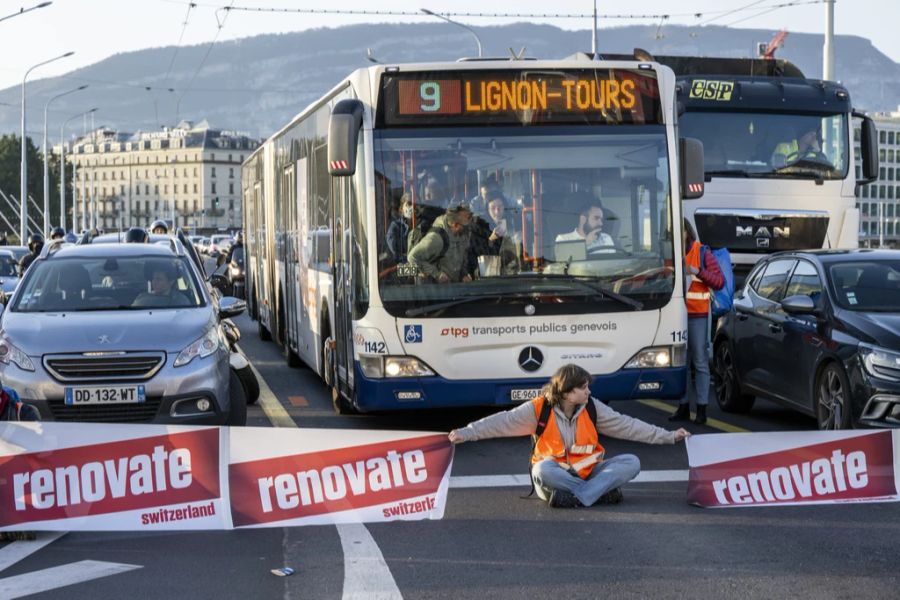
(430, 93)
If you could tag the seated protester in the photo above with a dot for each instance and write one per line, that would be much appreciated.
(569, 466)
(443, 253)
(13, 409)
(590, 229)
(398, 230)
(162, 276)
(502, 241)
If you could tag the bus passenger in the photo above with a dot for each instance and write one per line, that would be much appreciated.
(443, 253)
(590, 229)
(569, 467)
(503, 241)
(398, 230)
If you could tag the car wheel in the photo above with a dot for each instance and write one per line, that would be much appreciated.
(238, 401)
(727, 385)
(249, 383)
(833, 398)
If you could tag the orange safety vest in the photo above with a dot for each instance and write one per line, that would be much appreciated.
(584, 453)
(697, 296)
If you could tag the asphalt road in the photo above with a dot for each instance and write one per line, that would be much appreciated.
(494, 543)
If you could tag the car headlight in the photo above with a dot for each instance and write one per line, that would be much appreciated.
(9, 353)
(202, 347)
(880, 362)
(659, 357)
(393, 366)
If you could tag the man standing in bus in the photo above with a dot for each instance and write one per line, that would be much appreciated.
(569, 466)
(443, 253)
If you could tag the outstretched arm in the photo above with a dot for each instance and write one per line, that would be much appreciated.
(521, 420)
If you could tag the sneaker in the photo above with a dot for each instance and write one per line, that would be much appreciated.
(564, 499)
(613, 496)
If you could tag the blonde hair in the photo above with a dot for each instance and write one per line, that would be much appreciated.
(567, 378)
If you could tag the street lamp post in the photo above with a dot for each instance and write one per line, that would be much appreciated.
(23, 186)
(443, 18)
(22, 11)
(62, 173)
(47, 162)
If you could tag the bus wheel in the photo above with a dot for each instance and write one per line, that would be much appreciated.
(264, 334)
(341, 405)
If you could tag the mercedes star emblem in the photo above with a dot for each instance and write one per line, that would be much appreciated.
(531, 359)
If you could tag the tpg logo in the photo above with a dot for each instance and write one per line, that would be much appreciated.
(462, 332)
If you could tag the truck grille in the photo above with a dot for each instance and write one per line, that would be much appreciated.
(105, 367)
(106, 413)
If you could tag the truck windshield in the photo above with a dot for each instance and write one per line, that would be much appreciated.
(770, 145)
(511, 218)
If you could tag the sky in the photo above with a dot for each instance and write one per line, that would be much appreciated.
(96, 29)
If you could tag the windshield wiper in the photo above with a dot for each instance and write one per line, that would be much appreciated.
(729, 173)
(594, 286)
(415, 312)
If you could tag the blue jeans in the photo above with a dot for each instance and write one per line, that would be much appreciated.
(698, 349)
(549, 475)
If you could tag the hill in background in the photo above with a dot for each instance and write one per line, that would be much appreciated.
(258, 84)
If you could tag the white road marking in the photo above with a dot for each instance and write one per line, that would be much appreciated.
(491, 481)
(57, 577)
(366, 574)
(13, 552)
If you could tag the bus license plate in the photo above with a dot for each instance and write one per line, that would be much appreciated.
(108, 394)
(524, 395)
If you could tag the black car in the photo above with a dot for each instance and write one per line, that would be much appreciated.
(818, 331)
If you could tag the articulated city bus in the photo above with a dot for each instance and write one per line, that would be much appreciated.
(764, 192)
(553, 140)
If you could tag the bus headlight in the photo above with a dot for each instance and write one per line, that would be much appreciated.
(660, 357)
(393, 366)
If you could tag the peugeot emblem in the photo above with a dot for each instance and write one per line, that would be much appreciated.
(103, 339)
(530, 359)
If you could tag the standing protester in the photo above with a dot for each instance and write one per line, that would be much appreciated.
(3, 240)
(568, 463)
(35, 245)
(705, 275)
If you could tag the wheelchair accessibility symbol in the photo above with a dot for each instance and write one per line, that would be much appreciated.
(412, 334)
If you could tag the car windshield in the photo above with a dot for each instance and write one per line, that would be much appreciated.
(109, 283)
(770, 145)
(867, 285)
(8, 266)
(525, 216)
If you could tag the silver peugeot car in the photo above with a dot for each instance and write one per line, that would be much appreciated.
(120, 333)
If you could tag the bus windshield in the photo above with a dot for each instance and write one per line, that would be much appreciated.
(491, 221)
(770, 145)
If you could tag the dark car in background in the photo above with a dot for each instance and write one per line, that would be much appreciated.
(819, 332)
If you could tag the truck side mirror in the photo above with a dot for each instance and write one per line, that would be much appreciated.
(343, 135)
(868, 145)
(692, 170)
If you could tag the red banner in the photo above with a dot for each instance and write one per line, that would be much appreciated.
(342, 479)
(849, 467)
(111, 477)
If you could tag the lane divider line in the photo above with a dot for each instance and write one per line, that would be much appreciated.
(714, 423)
(13, 552)
(45, 580)
(366, 574)
(494, 481)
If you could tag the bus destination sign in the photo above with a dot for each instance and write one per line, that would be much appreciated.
(609, 96)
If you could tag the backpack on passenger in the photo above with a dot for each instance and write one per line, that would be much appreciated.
(425, 216)
(721, 301)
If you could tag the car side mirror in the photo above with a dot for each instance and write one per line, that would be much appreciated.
(218, 281)
(229, 306)
(798, 305)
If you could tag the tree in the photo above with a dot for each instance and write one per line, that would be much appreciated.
(10, 176)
